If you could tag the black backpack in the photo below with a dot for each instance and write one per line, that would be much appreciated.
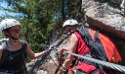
(101, 47)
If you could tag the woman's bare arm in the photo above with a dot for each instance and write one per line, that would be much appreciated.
(35, 55)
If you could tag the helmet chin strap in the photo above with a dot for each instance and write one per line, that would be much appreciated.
(15, 39)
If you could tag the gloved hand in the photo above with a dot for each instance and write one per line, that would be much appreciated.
(50, 48)
(62, 71)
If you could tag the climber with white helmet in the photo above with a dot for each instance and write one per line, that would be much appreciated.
(70, 23)
(6, 24)
(78, 46)
(13, 52)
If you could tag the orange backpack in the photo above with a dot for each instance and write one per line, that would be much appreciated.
(101, 46)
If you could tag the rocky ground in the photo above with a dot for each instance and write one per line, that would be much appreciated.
(48, 67)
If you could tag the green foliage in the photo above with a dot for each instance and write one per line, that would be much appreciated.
(39, 17)
(1, 35)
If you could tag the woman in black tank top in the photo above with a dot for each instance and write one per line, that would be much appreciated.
(13, 52)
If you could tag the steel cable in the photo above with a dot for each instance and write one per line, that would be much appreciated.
(103, 63)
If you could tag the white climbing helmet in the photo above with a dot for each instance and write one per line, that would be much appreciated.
(70, 22)
(7, 23)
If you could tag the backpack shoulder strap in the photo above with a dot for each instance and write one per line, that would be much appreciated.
(23, 43)
(5, 52)
(85, 34)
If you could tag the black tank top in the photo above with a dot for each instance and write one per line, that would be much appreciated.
(15, 60)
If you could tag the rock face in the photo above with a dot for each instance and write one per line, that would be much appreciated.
(105, 13)
(107, 17)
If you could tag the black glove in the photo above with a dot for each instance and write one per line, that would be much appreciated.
(50, 48)
(64, 72)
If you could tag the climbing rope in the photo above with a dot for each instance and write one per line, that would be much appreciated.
(103, 63)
